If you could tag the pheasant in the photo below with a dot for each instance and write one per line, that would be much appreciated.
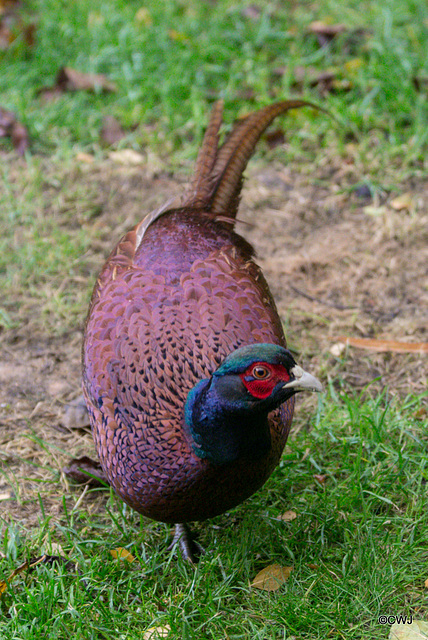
(186, 375)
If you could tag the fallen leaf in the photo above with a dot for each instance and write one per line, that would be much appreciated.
(421, 414)
(127, 156)
(385, 345)
(6, 495)
(86, 470)
(15, 572)
(7, 119)
(122, 554)
(111, 131)
(426, 583)
(156, 632)
(418, 630)
(11, 128)
(12, 25)
(30, 565)
(288, 516)
(312, 76)
(321, 478)
(19, 137)
(325, 81)
(69, 79)
(404, 201)
(326, 32)
(271, 578)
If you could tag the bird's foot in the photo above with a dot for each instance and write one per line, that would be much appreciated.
(190, 549)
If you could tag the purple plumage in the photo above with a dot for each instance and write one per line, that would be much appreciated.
(178, 295)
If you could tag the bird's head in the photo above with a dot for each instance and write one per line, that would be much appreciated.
(230, 409)
(264, 375)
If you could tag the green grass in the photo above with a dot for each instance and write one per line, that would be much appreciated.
(176, 57)
(359, 547)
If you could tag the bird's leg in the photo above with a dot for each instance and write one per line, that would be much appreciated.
(190, 549)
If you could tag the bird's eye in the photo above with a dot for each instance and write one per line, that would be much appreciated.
(260, 372)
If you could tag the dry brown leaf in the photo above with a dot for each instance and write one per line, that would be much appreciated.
(314, 77)
(45, 559)
(15, 572)
(19, 137)
(326, 81)
(421, 414)
(385, 345)
(11, 128)
(321, 478)
(13, 26)
(426, 583)
(122, 554)
(156, 632)
(318, 26)
(271, 578)
(403, 202)
(85, 470)
(288, 516)
(326, 32)
(417, 630)
(69, 79)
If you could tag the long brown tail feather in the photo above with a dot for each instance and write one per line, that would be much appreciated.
(233, 156)
(217, 179)
(200, 185)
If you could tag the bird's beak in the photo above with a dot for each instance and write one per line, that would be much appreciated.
(303, 381)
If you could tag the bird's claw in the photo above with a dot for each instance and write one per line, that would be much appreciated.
(190, 549)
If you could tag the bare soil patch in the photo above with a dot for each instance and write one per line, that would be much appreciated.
(338, 264)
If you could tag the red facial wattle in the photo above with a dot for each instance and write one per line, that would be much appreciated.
(261, 388)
